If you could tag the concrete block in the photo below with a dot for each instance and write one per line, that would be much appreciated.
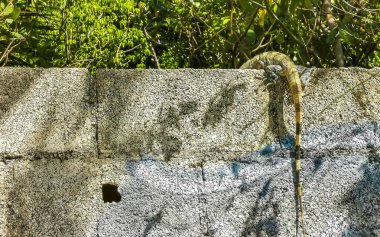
(45, 113)
(180, 114)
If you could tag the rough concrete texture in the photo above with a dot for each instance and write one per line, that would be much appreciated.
(192, 152)
(45, 111)
(184, 114)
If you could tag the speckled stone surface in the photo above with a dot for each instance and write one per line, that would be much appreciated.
(190, 153)
(45, 111)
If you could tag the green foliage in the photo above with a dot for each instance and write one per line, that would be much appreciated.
(184, 33)
(302, 30)
(9, 35)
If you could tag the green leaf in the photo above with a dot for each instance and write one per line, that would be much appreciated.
(280, 38)
(346, 36)
(276, 9)
(16, 13)
(9, 20)
(308, 4)
(226, 20)
(7, 11)
(197, 4)
(247, 6)
(4, 38)
(17, 35)
(262, 15)
(347, 19)
(332, 35)
(33, 60)
(251, 36)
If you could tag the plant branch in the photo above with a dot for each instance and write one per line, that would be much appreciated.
(8, 50)
(261, 45)
(236, 45)
(299, 42)
(337, 45)
(147, 36)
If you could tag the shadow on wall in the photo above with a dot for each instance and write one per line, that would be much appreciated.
(49, 198)
(160, 197)
(255, 224)
(48, 189)
(254, 195)
(363, 200)
(220, 104)
(13, 88)
(38, 119)
(159, 127)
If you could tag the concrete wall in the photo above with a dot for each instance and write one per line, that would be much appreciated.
(186, 153)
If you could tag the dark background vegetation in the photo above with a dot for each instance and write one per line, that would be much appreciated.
(187, 33)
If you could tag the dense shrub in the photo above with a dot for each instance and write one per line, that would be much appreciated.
(186, 33)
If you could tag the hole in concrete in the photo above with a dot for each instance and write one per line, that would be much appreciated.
(110, 193)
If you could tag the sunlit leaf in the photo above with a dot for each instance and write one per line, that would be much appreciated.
(17, 35)
(226, 20)
(9, 20)
(7, 11)
(197, 4)
(262, 14)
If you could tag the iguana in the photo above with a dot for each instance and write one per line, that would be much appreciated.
(278, 64)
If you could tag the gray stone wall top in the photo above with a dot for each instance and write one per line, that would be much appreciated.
(179, 113)
(188, 114)
(45, 112)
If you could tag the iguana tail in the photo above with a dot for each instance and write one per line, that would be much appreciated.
(289, 71)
